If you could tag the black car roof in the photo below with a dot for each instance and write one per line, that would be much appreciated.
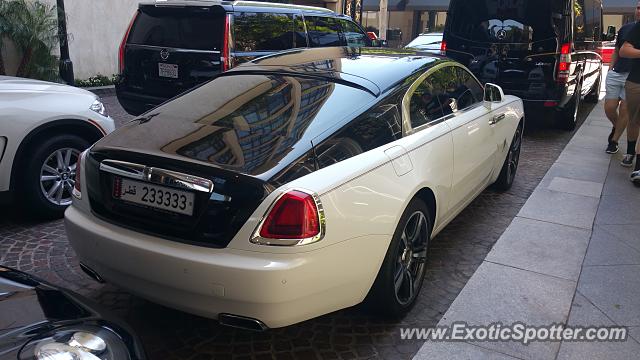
(240, 5)
(375, 69)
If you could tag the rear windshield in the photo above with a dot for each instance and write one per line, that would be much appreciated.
(516, 21)
(190, 28)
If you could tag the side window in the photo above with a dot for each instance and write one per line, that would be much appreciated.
(469, 90)
(323, 31)
(425, 106)
(371, 130)
(579, 21)
(353, 34)
(263, 31)
(590, 19)
(300, 35)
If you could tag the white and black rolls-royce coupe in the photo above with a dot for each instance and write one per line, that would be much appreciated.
(299, 184)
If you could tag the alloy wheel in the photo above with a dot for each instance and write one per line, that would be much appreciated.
(58, 174)
(514, 154)
(412, 257)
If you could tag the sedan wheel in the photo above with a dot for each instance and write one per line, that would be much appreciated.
(402, 272)
(412, 256)
(58, 174)
(49, 175)
(510, 166)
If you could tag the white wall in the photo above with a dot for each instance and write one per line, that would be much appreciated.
(95, 29)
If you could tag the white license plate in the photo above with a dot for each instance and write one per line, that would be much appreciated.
(159, 197)
(168, 70)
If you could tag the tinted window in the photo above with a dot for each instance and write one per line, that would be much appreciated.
(425, 105)
(588, 12)
(263, 31)
(352, 33)
(178, 28)
(323, 31)
(507, 21)
(469, 91)
(377, 127)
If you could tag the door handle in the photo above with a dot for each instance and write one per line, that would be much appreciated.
(496, 119)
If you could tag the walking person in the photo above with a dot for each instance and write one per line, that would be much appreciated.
(631, 49)
(614, 101)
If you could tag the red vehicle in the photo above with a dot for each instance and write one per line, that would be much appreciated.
(607, 51)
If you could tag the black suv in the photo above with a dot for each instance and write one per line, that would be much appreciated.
(172, 46)
(544, 51)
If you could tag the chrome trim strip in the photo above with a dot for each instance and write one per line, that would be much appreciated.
(257, 239)
(123, 168)
(157, 175)
(173, 49)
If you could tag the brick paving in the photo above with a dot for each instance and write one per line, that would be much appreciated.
(41, 248)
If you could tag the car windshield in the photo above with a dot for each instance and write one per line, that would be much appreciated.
(426, 40)
(517, 21)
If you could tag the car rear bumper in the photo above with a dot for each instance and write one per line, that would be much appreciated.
(135, 103)
(277, 289)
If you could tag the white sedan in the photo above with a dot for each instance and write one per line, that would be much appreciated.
(43, 128)
(299, 184)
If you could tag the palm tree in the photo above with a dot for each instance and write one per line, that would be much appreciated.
(33, 28)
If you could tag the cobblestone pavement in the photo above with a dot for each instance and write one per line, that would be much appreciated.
(42, 249)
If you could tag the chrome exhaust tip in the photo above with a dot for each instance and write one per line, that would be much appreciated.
(92, 274)
(241, 322)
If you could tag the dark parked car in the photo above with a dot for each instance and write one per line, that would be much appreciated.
(544, 51)
(39, 321)
(172, 46)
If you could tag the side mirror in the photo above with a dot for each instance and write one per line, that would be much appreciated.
(611, 33)
(492, 94)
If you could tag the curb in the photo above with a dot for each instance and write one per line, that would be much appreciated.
(102, 90)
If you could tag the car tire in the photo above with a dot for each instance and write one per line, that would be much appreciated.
(47, 180)
(594, 95)
(510, 165)
(567, 118)
(407, 264)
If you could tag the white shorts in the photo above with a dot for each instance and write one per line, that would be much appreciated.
(615, 85)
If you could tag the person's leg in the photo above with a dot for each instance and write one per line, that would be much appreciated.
(633, 126)
(611, 110)
(635, 175)
(614, 108)
(621, 124)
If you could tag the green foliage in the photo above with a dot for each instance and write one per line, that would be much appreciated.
(33, 27)
(98, 80)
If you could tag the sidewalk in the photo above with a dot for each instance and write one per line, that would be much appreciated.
(571, 256)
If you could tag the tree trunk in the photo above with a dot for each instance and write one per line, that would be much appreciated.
(2, 70)
(24, 63)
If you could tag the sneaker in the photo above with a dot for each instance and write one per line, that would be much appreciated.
(612, 148)
(627, 160)
(635, 177)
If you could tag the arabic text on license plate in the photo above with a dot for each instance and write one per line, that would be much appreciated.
(168, 70)
(159, 197)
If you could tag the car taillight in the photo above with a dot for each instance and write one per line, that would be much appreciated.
(443, 47)
(123, 43)
(77, 186)
(565, 63)
(227, 62)
(296, 218)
